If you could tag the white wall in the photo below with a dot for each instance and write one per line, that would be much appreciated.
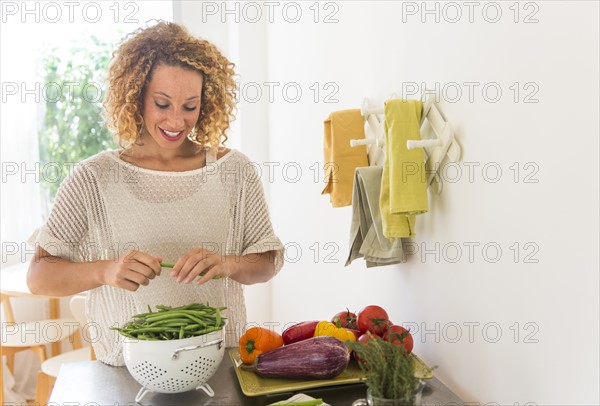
(546, 310)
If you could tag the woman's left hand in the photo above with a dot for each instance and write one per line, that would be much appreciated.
(203, 263)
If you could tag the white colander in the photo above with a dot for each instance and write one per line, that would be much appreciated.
(173, 366)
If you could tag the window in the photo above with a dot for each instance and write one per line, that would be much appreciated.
(54, 57)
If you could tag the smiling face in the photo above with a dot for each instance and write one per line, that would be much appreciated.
(172, 102)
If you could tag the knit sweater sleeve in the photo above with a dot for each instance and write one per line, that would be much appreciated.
(67, 224)
(258, 235)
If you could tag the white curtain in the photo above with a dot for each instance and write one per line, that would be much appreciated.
(20, 198)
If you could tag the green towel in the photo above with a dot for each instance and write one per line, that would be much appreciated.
(366, 236)
(403, 184)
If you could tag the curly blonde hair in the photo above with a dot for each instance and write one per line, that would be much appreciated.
(170, 44)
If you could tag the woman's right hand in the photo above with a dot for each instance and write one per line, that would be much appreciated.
(132, 269)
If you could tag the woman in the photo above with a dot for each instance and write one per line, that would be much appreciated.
(171, 193)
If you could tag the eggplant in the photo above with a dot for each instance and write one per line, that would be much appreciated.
(299, 331)
(315, 358)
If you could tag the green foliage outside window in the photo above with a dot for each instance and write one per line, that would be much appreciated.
(73, 126)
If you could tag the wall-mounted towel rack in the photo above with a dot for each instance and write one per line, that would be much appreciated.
(380, 142)
(444, 145)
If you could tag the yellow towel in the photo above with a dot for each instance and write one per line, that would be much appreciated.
(340, 158)
(403, 184)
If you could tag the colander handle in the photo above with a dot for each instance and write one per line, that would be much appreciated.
(194, 347)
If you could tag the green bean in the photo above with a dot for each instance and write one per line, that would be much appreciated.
(196, 313)
(165, 315)
(196, 306)
(150, 330)
(125, 333)
(171, 315)
(312, 402)
(165, 321)
(205, 331)
(172, 264)
(171, 325)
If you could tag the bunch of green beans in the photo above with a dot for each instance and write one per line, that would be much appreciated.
(174, 323)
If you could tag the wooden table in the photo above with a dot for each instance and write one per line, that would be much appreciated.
(92, 382)
(14, 283)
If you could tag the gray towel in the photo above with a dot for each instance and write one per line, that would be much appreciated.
(366, 234)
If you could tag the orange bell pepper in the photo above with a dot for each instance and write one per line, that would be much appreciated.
(325, 328)
(257, 340)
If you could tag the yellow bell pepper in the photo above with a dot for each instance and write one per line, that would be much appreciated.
(326, 328)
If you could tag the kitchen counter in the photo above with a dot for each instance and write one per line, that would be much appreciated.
(92, 382)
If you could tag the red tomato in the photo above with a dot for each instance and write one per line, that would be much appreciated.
(400, 336)
(345, 319)
(374, 319)
(364, 340)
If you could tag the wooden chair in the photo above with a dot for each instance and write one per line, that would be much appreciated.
(34, 336)
(50, 367)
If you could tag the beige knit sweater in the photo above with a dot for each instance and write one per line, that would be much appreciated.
(107, 206)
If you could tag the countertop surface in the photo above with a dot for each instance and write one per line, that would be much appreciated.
(95, 383)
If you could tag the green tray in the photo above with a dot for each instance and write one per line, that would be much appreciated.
(254, 385)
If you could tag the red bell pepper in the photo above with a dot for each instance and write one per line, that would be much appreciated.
(299, 331)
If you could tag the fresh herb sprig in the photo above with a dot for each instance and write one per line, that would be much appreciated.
(389, 369)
